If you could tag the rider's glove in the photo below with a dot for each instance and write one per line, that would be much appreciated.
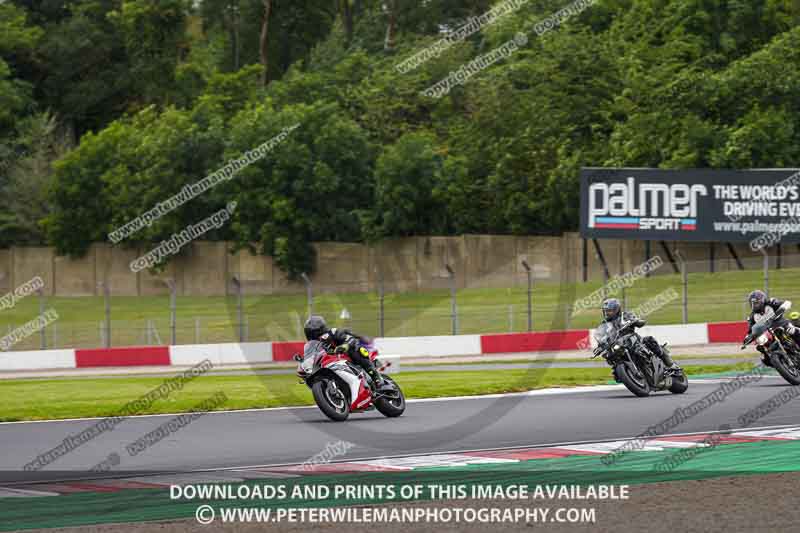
(342, 348)
(790, 329)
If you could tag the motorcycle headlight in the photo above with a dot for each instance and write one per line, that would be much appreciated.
(308, 364)
(762, 339)
(617, 347)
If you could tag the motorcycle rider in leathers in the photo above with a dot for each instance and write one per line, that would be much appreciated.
(758, 305)
(343, 341)
(612, 312)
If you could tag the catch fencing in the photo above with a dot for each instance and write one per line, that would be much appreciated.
(674, 293)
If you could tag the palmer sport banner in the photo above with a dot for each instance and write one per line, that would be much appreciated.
(691, 205)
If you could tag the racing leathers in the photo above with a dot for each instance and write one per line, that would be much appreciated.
(344, 341)
(777, 306)
(650, 342)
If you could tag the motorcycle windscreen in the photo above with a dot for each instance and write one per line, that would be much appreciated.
(762, 321)
(312, 348)
(604, 332)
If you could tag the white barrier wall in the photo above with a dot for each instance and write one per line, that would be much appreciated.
(429, 346)
(222, 354)
(262, 352)
(680, 335)
(37, 359)
(674, 335)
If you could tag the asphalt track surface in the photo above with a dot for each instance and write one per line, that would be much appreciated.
(221, 440)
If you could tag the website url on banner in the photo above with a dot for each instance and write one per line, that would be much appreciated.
(206, 514)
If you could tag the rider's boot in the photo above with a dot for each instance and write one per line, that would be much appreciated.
(796, 336)
(381, 385)
(668, 362)
(663, 354)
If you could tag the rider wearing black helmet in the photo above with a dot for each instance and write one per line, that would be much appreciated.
(345, 342)
(612, 312)
(759, 302)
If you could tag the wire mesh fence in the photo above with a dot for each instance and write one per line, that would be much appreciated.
(689, 292)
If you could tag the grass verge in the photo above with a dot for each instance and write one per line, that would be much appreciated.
(66, 398)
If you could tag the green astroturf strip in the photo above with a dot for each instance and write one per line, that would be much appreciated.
(632, 468)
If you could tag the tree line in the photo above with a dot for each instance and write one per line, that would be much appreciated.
(108, 107)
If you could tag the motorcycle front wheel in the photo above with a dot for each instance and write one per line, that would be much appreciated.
(786, 367)
(679, 383)
(637, 384)
(393, 406)
(331, 399)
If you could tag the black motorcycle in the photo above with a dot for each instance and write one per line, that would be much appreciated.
(777, 346)
(635, 365)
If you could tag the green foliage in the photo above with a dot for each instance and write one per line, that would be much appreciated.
(163, 93)
(406, 177)
(310, 188)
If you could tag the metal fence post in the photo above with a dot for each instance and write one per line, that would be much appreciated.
(239, 317)
(381, 316)
(107, 300)
(309, 293)
(766, 270)
(43, 331)
(529, 271)
(453, 307)
(172, 310)
(685, 283)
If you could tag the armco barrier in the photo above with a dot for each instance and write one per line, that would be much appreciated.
(727, 332)
(436, 346)
(128, 356)
(549, 341)
(283, 351)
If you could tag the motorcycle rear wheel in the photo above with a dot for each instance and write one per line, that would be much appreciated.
(637, 385)
(788, 371)
(335, 408)
(391, 407)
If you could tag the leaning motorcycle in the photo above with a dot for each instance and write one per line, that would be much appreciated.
(634, 364)
(775, 343)
(341, 387)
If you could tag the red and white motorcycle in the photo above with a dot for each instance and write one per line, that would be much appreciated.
(341, 387)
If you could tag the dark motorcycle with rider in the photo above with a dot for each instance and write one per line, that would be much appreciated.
(639, 363)
(776, 337)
